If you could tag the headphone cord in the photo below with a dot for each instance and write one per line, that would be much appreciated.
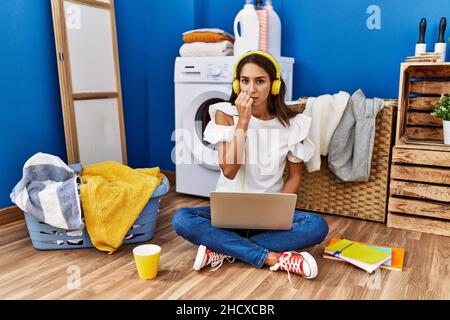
(245, 166)
(245, 174)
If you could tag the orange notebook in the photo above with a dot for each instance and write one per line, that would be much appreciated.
(398, 255)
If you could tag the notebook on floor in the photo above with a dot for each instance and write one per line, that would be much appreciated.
(362, 256)
(395, 263)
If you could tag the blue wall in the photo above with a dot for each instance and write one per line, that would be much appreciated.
(131, 16)
(166, 23)
(31, 117)
(333, 48)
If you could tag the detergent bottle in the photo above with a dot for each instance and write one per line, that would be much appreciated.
(274, 30)
(248, 37)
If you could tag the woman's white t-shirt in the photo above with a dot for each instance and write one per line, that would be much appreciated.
(268, 145)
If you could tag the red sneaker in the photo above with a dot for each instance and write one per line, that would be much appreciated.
(206, 257)
(301, 263)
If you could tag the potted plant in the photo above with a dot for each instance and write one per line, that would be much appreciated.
(442, 111)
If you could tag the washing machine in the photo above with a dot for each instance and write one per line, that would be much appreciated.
(200, 82)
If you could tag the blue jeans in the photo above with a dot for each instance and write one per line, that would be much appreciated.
(194, 225)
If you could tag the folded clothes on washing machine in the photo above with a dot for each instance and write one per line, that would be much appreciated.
(207, 35)
(204, 49)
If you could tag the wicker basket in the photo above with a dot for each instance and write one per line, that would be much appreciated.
(320, 192)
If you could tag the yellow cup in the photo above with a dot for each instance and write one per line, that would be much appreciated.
(146, 258)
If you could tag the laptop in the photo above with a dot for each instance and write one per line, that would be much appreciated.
(243, 210)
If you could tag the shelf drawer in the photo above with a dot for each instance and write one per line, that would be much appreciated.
(420, 224)
(421, 157)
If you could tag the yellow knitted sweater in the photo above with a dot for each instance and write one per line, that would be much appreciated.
(112, 197)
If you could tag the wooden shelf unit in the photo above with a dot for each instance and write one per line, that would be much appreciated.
(419, 196)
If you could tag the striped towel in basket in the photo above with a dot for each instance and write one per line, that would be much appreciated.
(49, 191)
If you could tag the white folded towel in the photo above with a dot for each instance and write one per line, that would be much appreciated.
(204, 49)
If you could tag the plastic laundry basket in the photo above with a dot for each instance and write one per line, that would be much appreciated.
(46, 237)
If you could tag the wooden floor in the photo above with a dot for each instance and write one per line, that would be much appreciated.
(26, 273)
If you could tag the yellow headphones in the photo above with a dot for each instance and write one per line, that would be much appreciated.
(276, 85)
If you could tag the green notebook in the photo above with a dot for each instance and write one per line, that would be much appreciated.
(346, 249)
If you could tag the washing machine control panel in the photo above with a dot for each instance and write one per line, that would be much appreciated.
(214, 71)
(219, 72)
(190, 71)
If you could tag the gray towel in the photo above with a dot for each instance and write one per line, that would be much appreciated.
(49, 191)
(350, 152)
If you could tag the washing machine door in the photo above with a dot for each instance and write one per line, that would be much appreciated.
(195, 119)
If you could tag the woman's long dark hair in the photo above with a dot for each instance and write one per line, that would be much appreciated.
(275, 103)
